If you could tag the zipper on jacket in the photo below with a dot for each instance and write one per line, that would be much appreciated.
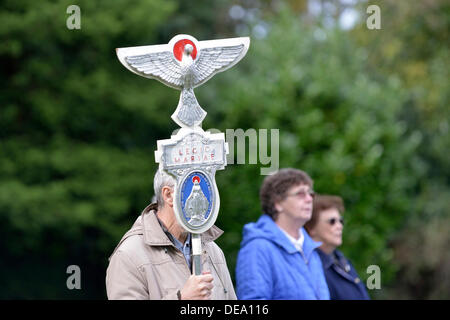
(303, 256)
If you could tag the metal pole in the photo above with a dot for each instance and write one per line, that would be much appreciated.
(196, 254)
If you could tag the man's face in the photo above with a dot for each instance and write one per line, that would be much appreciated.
(328, 228)
(297, 204)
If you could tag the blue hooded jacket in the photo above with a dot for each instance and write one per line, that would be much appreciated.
(270, 267)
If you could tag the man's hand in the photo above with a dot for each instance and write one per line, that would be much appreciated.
(198, 287)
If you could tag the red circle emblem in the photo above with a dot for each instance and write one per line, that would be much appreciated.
(178, 49)
(196, 178)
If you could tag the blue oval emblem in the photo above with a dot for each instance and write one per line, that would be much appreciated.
(197, 198)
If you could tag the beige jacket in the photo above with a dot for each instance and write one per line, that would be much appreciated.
(146, 265)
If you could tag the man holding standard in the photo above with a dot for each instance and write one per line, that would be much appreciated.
(153, 259)
(277, 259)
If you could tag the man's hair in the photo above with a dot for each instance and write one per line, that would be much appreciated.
(321, 203)
(162, 179)
(275, 187)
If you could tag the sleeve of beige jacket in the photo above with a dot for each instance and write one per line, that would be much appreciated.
(123, 279)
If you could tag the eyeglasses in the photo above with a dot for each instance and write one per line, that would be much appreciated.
(332, 221)
(302, 194)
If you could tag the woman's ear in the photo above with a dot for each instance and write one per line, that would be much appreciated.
(167, 195)
(278, 207)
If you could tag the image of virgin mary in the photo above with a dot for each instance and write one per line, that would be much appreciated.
(196, 204)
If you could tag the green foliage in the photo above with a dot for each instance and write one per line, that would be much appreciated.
(78, 132)
(77, 138)
(413, 45)
(336, 122)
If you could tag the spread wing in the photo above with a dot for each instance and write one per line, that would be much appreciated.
(159, 65)
(217, 56)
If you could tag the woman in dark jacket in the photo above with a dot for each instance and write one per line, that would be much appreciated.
(326, 226)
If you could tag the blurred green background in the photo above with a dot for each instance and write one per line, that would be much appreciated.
(364, 112)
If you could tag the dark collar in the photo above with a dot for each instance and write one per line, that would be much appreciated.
(335, 258)
(327, 259)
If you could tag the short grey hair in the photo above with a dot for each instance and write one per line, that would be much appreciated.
(161, 180)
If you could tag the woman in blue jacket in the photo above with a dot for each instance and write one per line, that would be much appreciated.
(277, 259)
(326, 225)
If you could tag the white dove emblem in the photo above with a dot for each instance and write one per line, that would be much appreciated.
(184, 64)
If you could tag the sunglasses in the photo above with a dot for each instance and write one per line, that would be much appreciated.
(332, 221)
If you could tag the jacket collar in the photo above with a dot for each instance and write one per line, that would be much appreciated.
(155, 236)
(327, 259)
(309, 245)
(277, 236)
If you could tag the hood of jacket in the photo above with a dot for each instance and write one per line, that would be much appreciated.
(267, 229)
